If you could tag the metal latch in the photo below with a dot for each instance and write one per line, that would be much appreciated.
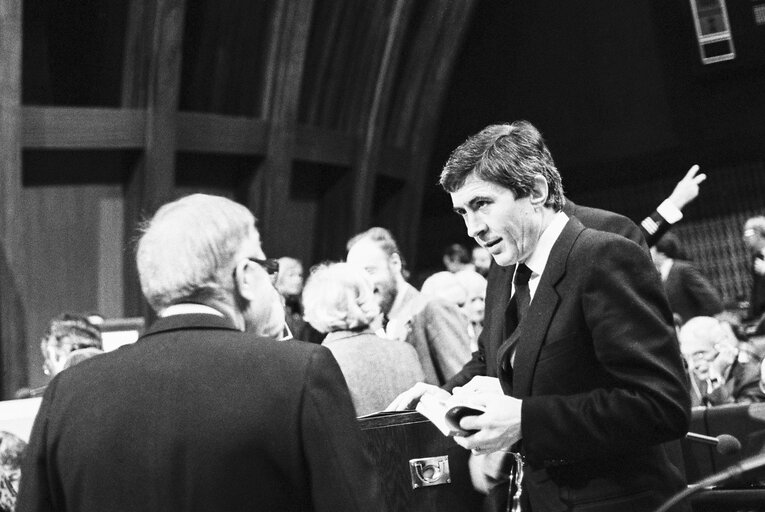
(430, 471)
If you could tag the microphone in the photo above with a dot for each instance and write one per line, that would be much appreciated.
(730, 473)
(725, 443)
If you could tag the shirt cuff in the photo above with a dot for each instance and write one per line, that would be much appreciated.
(669, 211)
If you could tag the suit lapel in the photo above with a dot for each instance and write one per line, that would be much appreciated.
(532, 330)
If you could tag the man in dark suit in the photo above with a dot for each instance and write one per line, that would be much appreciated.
(590, 370)
(690, 294)
(206, 411)
(754, 239)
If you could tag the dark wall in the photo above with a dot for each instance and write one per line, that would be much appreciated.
(619, 92)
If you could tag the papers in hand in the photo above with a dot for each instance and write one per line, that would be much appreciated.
(446, 415)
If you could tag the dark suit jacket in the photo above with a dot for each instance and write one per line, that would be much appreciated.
(600, 372)
(601, 377)
(199, 416)
(499, 282)
(690, 294)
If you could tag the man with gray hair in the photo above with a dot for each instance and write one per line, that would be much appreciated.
(206, 411)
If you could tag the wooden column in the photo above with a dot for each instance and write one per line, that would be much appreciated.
(12, 327)
(369, 156)
(268, 194)
(444, 43)
(151, 79)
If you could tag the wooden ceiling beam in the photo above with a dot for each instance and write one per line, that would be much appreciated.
(83, 128)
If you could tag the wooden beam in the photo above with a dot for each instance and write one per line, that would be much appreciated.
(446, 44)
(325, 146)
(13, 372)
(82, 128)
(368, 158)
(269, 191)
(151, 80)
(215, 133)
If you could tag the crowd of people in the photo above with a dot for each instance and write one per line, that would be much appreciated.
(571, 328)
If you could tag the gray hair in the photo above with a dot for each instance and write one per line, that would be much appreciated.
(339, 296)
(189, 249)
(509, 155)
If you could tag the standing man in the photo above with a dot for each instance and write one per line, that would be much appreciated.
(754, 239)
(205, 411)
(690, 294)
(586, 354)
(436, 329)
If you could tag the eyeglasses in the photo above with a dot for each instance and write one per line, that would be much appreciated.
(270, 265)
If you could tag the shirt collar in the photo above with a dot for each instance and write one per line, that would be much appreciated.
(538, 259)
(188, 308)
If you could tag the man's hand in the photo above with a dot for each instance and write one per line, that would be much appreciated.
(687, 189)
(409, 398)
(498, 428)
(479, 384)
(726, 356)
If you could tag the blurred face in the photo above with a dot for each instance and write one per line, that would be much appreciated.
(55, 352)
(263, 311)
(290, 280)
(475, 308)
(507, 227)
(367, 255)
(481, 260)
(752, 239)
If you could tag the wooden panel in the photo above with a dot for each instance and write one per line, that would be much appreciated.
(12, 327)
(393, 440)
(73, 128)
(61, 226)
(325, 146)
(214, 133)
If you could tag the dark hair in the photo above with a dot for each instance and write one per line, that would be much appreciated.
(457, 252)
(669, 246)
(510, 155)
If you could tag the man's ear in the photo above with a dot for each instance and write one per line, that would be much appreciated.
(539, 191)
(395, 262)
(243, 280)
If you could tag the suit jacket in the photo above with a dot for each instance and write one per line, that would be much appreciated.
(499, 283)
(199, 416)
(603, 386)
(689, 293)
(393, 363)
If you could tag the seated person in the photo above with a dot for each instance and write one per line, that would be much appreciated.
(66, 333)
(718, 375)
(339, 300)
(11, 450)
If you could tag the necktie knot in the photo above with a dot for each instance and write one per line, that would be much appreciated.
(522, 275)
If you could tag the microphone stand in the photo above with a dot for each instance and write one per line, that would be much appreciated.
(734, 471)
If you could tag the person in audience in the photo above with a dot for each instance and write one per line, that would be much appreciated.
(570, 380)
(719, 375)
(690, 294)
(80, 355)
(481, 260)
(475, 306)
(339, 300)
(445, 285)
(66, 332)
(754, 239)
(206, 411)
(456, 257)
(435, 328)
(289, 282)
(670, 211)
(11, 450)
